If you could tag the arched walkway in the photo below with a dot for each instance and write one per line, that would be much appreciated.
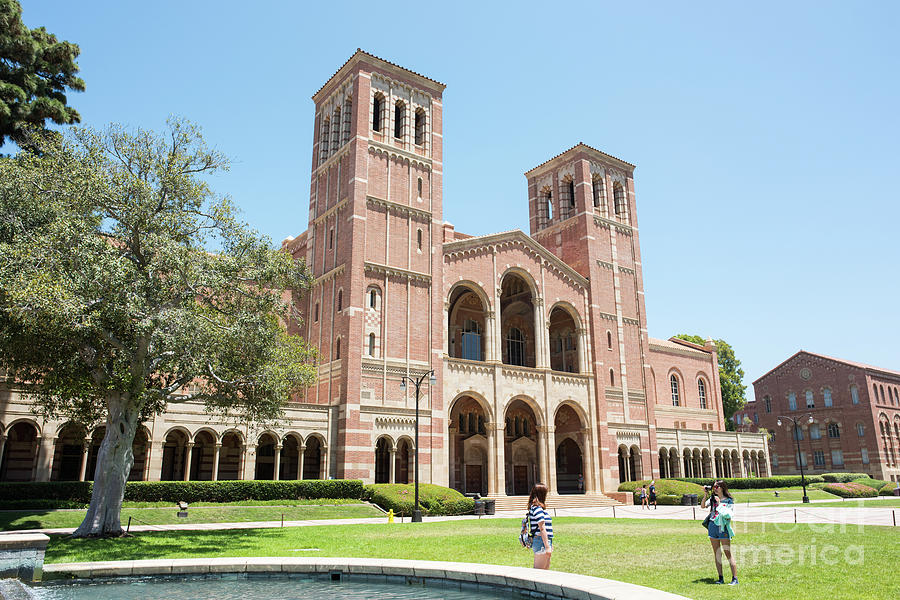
(69, 454)
(139, 449)
(290, 458)
(404, 459)
(469, 446)
(564, 336)
(230, 457)
(265, 457)
(202, 457)
(467, 324)
(383, 447)
(522, 462)
(313, 457)
(174, 456)
(570, 438)
(517, 321)
(20, 453)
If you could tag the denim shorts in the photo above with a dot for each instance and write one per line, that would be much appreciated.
(717, 533)
(538, 544)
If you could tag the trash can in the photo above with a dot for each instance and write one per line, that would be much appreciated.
(479, 507)
(685, 499)
(694, 500)
(897, 491)
(489, 507)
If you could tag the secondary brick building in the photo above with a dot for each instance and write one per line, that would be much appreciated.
(849, 416)
(538, 341)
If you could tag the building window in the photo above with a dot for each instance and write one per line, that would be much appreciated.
(814, 432)
(331, 238)
(819, 459)
(737, 418)
(599, 192)
(337, 349)
(373, 298)
(323, 141)
(860, 430)
(834, 431)
(348, 106)
(837, 458)
(774, 461)
(756, 418)
(800, 457)
(515, 347)
(340, 300)
(419, 239)
(701, 391)
(768, 404)
(673, 383)
(567, 199)
(619, 199)
(864, 454)
(609, 340)
(336, 130)
(854, 394)
(316, 313)
(792, 401)
(810, 400)
(612, 377)
(827, 394)
(371, 344)
(798, 434)
(377, 112)
(399, 119)
(471, 340)
(882, 395)
(419, 188)
(420, 127)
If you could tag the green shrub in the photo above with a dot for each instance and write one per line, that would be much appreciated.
(842, 477)
(668, 491)
(850, 490)
(434, 500)
(187, 491)
(749, 483)
(875, 484)
(887, 489)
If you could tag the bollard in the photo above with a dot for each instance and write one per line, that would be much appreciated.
(128, 527)
(795, 515)
(391, 516)
(694, 508)
(614, 511)
(282, 520)
(893, 512)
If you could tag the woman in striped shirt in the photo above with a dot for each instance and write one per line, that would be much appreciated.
(541, 526)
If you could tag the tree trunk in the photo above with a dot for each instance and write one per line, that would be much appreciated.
(114, 462)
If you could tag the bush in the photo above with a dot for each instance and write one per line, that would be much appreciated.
(842, 477)
(850, 490)
(887, 489)
(875, 484)
(187, 491)
(434, 500)
(749, 483)
(668, 491)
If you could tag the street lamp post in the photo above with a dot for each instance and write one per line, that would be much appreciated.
(795, 428)
(417, 514)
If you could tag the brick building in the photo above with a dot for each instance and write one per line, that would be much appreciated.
(544, 369)
(849, 416)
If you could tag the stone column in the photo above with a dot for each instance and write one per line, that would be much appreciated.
(217, 450)
(392, 475)
(323, 466)
(2, 447)
(551, 460)
(451, 437)
(587, 461)
(541, 335)
(447, 328)
(490, 348)
(584, 366)
(85, 453)
(249, 463)
(276, 475)
(411, 461)
(155, 461)
(498, 322)
(188, 458)
(44, 460)
(301, 451)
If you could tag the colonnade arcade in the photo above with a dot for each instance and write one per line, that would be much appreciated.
(698, 462)
(487, 455)
(472, 328)
(28, 454)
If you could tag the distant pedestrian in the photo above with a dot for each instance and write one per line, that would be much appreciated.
(580, 483)
(644, 497)
(653, 494)
(541, 526)
(721, 512)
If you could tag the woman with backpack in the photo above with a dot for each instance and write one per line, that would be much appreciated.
(539, 526)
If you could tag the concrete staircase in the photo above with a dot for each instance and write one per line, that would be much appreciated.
(520, 503)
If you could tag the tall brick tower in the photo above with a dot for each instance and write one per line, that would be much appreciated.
(373, 245)
(582, 208)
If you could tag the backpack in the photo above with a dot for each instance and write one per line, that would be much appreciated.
(525, 537)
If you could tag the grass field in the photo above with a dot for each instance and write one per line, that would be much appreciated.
(774, 561)
(784, 494)
(222, 513)
(867, 502)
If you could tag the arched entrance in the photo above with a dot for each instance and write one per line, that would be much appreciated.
(383, 447)
(312, 458)
(290, 457)
(664, 463)
(174, 456)
(230, 456)
(403, 469)
(563, 341)
(68, 454)
(19, 453)
(521, 449)
(265, 457)
(467, 322)
(202, 457)
(569, 457)
(139, 449)
(517, 322)
(468, 446)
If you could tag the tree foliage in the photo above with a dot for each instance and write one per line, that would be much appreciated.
(36, 69)
(127, 285)
(731, 377)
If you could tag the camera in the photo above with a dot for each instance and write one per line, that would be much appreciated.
(707, 488)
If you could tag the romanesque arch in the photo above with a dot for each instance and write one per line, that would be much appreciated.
(20, 451)
(202, 453)
(289, 463)
(569, 428)
(265, 456)
(522, 462)
(404, 461)
(313, 456)
(469, 465)
(174, 458)
(69, 453)
(383, 448)
(565, 334)
(517, 319)
(468, 322)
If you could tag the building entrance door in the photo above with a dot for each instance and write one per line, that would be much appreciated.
(473, 479)
(520, 480)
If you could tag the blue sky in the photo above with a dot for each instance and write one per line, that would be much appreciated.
(765, 134)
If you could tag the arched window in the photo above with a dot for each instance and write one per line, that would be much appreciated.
(420, 127)
(371, 344)
(515, 347)
(599, 191)
(768, 404)
(792, 401)
(377, 112)
(810, 400)
(419, 239)
(331, 238)
(348, 109)
(826, 394)
(854, 394)
(337, 349)
(336, 132)
(373, 298)
(323, 140)
(609, 340)
(701, 392)
(471, 340)
(544, 207)
(340, 300)
(860, 430)
(814, 432)
(399, 119)
(567, 205)
(612, 377)
(882, 395)
(834, 431)
(419, 188)
(673, 383)
(316, 313)
(619, 199)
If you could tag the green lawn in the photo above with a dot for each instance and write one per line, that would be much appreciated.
(784, 494)
(869, 502)
(775, 561)
(222, 513)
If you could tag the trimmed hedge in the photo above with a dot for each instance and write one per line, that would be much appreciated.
(850, 490)
(668, 491)
(434, 500)
(187, 491)
(887, 489)
(842, 477)
(749, 483)
(875, 484)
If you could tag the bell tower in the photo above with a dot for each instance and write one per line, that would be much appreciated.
(374, 247)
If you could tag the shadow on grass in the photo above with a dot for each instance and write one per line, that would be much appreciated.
(10, 519)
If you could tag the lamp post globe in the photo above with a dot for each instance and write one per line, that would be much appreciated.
(796, 429)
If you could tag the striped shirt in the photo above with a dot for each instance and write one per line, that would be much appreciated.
(538, 514)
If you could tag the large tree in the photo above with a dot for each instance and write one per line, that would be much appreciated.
(127, 285)
(36, 69)
(731, 377)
